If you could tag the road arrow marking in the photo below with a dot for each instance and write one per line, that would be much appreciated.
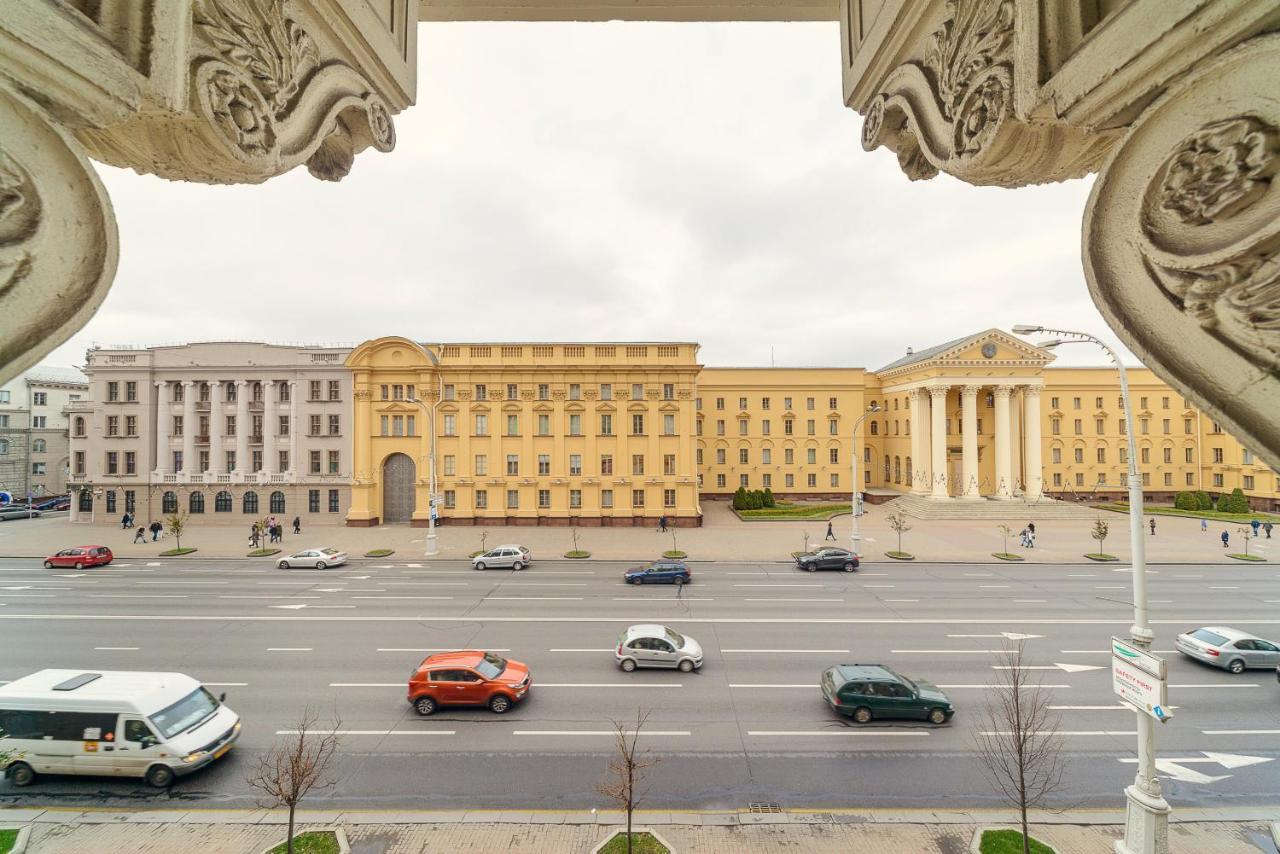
(23, 587)
(361, 577)
(330, 589)
(289, 607)
(1008, 635)
(1069, 668)
(1234, 760)
(72, 575)
(1175, 767)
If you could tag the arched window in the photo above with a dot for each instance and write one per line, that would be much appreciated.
(37, 446)
(196, 504)
(222, 502)
(86, 501)
(897, 469)
(886, 468)
(909, 470)
(251, 502)
(277, 502)
(79, 426)
(875, 428)
(4, 446)
(169, 502)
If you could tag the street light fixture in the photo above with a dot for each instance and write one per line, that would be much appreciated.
(432, 546)
(1147, 819)
(855, 536)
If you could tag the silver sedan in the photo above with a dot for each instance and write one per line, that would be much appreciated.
(1230, 649)
(319, 558)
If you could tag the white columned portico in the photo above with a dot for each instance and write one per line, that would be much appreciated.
(938, 446)
(1004, 451)
(242, 428)
(1031, 428)
(969, 438)
(919, 440)
(162, 429)
(216, 423)
(269, 391)
(293, 425)
(189, 463)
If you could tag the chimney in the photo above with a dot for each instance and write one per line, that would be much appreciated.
(911, 351)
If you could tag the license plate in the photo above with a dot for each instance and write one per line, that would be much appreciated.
(221, 751)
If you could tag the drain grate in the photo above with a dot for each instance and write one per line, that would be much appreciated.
(764, 807)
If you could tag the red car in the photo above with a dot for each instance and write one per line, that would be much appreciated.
(467, 678)
(80, 557)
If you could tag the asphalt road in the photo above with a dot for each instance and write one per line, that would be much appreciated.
(751, 726)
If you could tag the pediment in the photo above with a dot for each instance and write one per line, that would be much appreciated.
(543, 407)
(574, 406)
(669, 406)
(1007, 349)
(480, 408)
(512, 407)
(637, 406)
(395, 406)
(606, 407)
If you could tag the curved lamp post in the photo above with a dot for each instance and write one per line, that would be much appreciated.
(1146, 825)
(855, 536)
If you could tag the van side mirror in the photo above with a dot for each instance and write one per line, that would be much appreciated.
(222, 698)
(148, 741)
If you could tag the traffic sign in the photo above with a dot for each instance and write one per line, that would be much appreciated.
(1139, 679)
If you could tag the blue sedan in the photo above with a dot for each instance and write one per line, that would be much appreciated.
(659, 572)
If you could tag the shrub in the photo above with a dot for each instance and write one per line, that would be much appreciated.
(1234, 503)
(740, 499)
(768, 498)
(1203, 501)
(1186, 501)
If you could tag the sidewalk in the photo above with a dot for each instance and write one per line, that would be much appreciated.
(1238, 831)
(722, 537)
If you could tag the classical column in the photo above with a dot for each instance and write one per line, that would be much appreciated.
(938, 431)
(1032, 429)
(918, 434)
(969, 459)
(293, 426)
(242, 428)
(1004, 457)
(162, 428)
(269, 426)
(217, 458)
(189, 425)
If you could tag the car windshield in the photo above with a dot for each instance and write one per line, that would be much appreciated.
(1208, 637)
(186, 713)
(330, 551)
(675, 637)
(491, 666)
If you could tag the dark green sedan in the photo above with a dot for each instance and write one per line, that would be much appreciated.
(867, 692)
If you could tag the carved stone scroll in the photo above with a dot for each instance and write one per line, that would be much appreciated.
(58, 242)
(1182, 240)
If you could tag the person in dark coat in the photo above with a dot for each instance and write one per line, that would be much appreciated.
(831, 535)
(156, 528)
(124, 522)
(1226, 538)
(297, 524)
(140, 536)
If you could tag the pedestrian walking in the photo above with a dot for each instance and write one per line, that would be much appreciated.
(1204, 525)
(156, 527)
(124, 522)
(1153, 527)
(1255, 524)
(253, 535)
(1024, 538)
(297, 524)
(662, 523)
(141, 535)
(830, 533)
(279, 531)
(1031, 537)
(1266, 528)
(1031, 529)
(1225, 539)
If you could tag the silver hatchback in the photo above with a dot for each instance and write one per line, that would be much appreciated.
(503, 557)
(1230, 649)
(652, 645)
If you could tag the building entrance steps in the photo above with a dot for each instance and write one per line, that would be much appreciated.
(922, 507)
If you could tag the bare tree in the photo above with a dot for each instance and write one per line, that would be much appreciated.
(627, 768)
(1017, 741)
(1099, 532)
(898, 523)
(174, 525)
(1005, 532)
(292, 769)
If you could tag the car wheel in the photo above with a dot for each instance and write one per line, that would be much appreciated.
(284, 564)
(679, 581)
(862, 715)
(159, 776)
(48, 564)
(517, 566)
(480, 565)
(850, 566)
(424, 706)
(810, 567)
(628, 665)
(937, 717)
(499, 703)
(79, 565)
(321, 565)
(1236, 666)
(20, 774)
(685, 666)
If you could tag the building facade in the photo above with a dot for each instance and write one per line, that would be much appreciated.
(616, 434)
(224, 431)
(34, 454)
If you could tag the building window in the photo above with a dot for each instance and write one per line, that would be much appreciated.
(835, 479)
(544, 424)
(809, 403)
(606, 498)
(384, 422)
(513, 424)
(1168, 455)
(668, 424)
(720, 481)
(177, 460)
(637, 424)
(813, 481)
(335, 425)
(335, 391)
(575, 465)
(482, 391)
(719, 456)
(450, 499)
(719, 426)
(513, 499)
(544, 391)
(835, 455)
(450, 392)
(637, 391)
(113, 425)
(606, 464)
(1191, 479)
(668, 498)
(811, 427)
(79, 456)
(37, 468)
(113, 462)
(276, 502)
(544, 499)
(314, 462)
(111, 501)
(637, 498)
(1102, 455)
(1078, 427)
(743, 455)
(450, 424)
(742, 426)
(513, 464)
(1075, 403)
(195, 504)
(719, 403)
(1055, 426)
(315, 426)
(811, 456)
(482, 425)
(637, 464)
(1100, 425)
(1189, 454)
(575, 499)
(788, 426)
(1248, 481)
(222, 502)
(335, 502)
(1246, 456)
(482, 499)
(482, 465)
(450, 465)
(1217, 479)
(1218, 456)
(544, 464)
(131, 391)
(249, 504)
(1145, 455)
(606, 391)
(575, 424)
(669, 464)
(1079, 455)
(766, 456)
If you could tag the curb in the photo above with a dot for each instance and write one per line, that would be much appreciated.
(634, 830)
(24, 836)
(338, 833)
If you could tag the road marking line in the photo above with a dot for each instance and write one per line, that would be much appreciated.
(761, 685)
(902, 600)
(119, 648)
(226, 684)
(878, 586)
(1222, 587)
(793, 600)
(566, 649)
(277, 596)
(1073, 732)
(610, 685)
(367, 684)
(137, 596)
(1082, 575)
(433, 649)
(572, 732)
(376, 732)
(949, 651)
(1116, 708)
(543, 583)
(838, 732)
(614, 619)
(192, 583)
(979, 574)
(1240, 732)
(533, 598)
(660, 601)
(393, 598)
(1041, 601)
(289, 649)
(1024, 687)
(1109, 587)
(832, 651)
(154, 563)
(993, 586)
(780, 585)
(733, 572)
(1219, 685)
(1108, 652)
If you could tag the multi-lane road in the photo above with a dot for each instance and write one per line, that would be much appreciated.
(750, 727)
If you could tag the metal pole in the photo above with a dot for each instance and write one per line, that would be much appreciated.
(432, 545)
(855, 535)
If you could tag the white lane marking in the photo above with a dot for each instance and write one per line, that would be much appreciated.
(1109, 587)
(366, 684)
(780, 585)
(988, 687)
(289, 649)
(118, 648)
(1030, 600)
(993, 586)
(29, 587)
(394, 598)
(575, 732)
(793, 599)
(277, 596)
(806, 620)
(1108, 652)
(979, 574)
(226, 684)
(1082, 575)
(154, 563)
(837, 732)
(946, 651)
(414, 565)
(1222, 587)
(433, 649)
(377, 732)
(902, 600)
(1118, 707)
(761, 685)
(645, 685)
(1241, 731)
(29, 596)
(579, 649)
(660, 601)
(1073, 732)
(833, 651)
(733, 572)
(543, 583)
(138, 596)
(1216, 686)
(297, 607)
(532, 599)
(191, 583)
(878, 586)
(1067, 668)
(1009, 635)
(1188, 576)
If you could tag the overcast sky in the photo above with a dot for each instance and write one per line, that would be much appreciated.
(605, 182)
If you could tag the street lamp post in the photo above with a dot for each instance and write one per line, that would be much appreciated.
(432, 544)
(855, 536)
(1147, 816)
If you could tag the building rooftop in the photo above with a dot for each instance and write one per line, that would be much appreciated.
(42, 374)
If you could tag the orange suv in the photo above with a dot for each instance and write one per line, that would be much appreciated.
(468, 677)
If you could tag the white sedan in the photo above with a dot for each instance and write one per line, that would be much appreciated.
(319, 558)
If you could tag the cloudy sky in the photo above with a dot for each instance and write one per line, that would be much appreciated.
(605, 182)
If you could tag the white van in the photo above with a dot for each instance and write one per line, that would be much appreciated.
(112, 724)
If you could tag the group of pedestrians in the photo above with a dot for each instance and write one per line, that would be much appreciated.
(140, 536)
(1028, 536)
(273, 529)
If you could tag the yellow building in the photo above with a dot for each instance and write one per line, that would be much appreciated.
(621, 434)
(525, 434)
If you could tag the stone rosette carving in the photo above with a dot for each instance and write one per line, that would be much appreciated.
(263, 98)
(952, 110)
(1182, 240)
(58, 242)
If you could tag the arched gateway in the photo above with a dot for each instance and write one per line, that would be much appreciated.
(398, 475)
